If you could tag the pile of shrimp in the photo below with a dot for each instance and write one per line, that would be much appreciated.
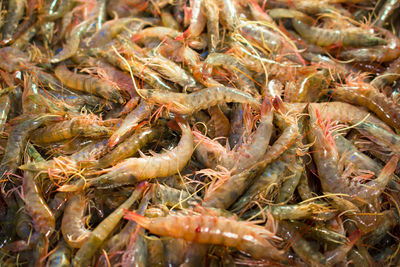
(199, 133)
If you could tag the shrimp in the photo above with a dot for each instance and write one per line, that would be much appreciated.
(73, 222)
(244, 236)
(4, 109)
(301, 246)
(219, 122)
(290, 183)
(100, 233)
(382, 53)
(168, 20)
(197, 20)
(69, 129)
(315, 210)
(17, 140)
(212, 14)
(385, 12)
(155, 252)
(172, 71)
(369, 97)
(61, 257)
(87, 84)
(245, 155)
(201, 99)
(380, 136)
(130, 146)
(12, 59)
(354, 37)
(16, 9)
(264, 37)
(140, 113)
(241, 72)
(61, 11)
(133, 170)
(42, 217)
(165, 195)
(388, 76)
(228, 14)
(71, 46)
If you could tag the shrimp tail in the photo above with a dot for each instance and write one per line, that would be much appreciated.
(139, 219)
(390, 166)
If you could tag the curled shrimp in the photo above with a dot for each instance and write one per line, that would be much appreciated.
(133, 170)
(201, 99)
(244, 236)
(43, 218)
(87, 84)
(71, 46)
(73, 222)
(69, 129)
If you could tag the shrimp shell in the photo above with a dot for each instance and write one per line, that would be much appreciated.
(133, 170)
(244, 236)
(201, 99)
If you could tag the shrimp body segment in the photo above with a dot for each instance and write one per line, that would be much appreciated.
(133, 170)
(201, 99)
(244, 236)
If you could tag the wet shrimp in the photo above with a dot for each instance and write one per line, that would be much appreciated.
(87, 84)
(130, 146)
(367, 96)
(69, 129)
(73, 222)
(72, 44)
(103, 230)
(244, 236)
(133, 170)
(354, 37)
(212, 14)
(219, 122)
(16, 9)
(141, 112)
(386, 11)
(201, 99)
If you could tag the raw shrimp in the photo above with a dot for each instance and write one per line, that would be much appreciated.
(100, 233)
(197, 20)
(130, 146)
(168, 20)
(246, 154)
(265, 37)
(354, 37)
(4, 109)
(380, 136)
(87, 84)
(201, 99)
(172, 71)
(17, 140)
(142, 112)
(133, 170)
(228, 14)
(219, 122)
(71, 46)
(369, 97)
(386, 11)
(244, 236)
(382, 53)
(16, 9)
(42, 217)
(82, 127)
(171, 197)
(73, 222)
(212, 14)
(339, 254)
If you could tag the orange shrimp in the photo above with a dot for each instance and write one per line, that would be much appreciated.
(220, 123)
(245, 236)
(201, 99)
(87, 84)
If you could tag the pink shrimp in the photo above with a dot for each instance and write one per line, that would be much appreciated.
(244, 236)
